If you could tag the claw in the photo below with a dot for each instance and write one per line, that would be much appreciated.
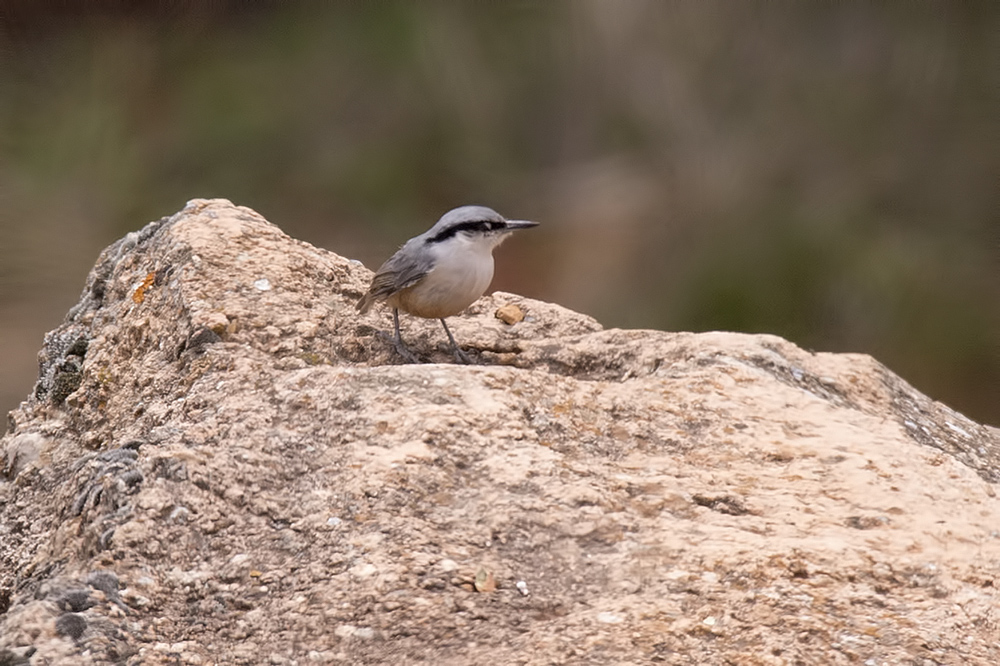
(399, 347)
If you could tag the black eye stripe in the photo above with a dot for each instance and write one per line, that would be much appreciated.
(474, 225)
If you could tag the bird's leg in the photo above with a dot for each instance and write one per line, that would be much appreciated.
(459, 354)
(397, 342)
(400, 347)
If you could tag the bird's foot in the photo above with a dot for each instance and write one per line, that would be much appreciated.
(400, 348)
(462, 357)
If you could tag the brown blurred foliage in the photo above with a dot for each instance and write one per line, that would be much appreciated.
(825, 172)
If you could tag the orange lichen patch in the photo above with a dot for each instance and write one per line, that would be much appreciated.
(139, 295)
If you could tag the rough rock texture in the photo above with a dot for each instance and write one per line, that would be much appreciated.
(222, 463)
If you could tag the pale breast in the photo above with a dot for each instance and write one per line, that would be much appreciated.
(455, 282)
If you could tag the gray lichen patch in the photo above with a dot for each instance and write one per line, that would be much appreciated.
(60, 364)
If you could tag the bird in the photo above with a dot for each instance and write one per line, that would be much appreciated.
(442, 271)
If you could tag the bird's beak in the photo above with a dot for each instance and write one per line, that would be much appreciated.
(520, 224)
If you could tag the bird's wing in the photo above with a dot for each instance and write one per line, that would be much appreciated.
(398, 272)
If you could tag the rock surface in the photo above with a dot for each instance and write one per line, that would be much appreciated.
(222, 463)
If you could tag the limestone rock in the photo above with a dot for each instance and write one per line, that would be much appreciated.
(222, 463)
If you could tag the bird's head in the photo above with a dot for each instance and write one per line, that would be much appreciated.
(478, 225)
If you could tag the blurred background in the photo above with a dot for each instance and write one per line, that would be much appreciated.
(827, 172)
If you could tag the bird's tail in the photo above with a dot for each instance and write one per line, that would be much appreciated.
(365, 303)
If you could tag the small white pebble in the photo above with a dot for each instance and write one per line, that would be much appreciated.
(961, 431)
(262, 284)
(709, 621)
(447, 564)
(345, 631)
(609, 618)
(363, 570)
(522, 587)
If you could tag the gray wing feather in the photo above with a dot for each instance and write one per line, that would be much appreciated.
(400, 271)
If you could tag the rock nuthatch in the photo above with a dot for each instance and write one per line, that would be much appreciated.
(442, 271)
